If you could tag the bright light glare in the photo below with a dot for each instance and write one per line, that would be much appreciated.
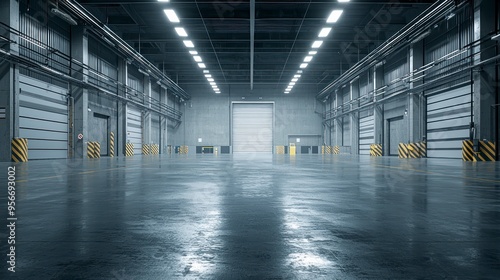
(324, 32)
(334, 16)
(188, 43)
(181, 32)
(171, 15)
(317, 44)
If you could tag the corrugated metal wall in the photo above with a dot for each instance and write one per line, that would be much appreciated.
(346, 119)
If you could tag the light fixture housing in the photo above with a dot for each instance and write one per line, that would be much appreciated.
(171, 15)
(334, 16)
(181, 32)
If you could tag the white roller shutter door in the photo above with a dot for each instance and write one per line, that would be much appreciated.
(134, 128)
(252, 128)
(366, 134)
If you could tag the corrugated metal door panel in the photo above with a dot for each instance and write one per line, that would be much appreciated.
(155, 129)
(366, 134)
(346, 130)
(98, 131)
(448, 118)
(43, 118)
(134, 128)
(252, 128)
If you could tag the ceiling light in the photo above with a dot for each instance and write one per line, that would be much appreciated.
(188, 43)
(206, 71)
(313, 52)
(210, 79)
(299, 71)
(197, 58)
(317, 44)
(163, 0)
(181, 31)
(334, 16)
(208, 76)
(295, 79)
(303, 65)
(292, 83)
(193, 52)
(308, 58)
(296, 76)
(202, 65)
(213, 83)
(172, 16)
(343, 1)
(324, 32)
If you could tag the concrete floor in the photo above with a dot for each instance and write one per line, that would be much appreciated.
(225, 217)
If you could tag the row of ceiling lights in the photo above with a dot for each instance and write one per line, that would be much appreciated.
(172, 17)
(323, 33)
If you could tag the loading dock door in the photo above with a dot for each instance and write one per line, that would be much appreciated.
(134, 128)
(43, 118)
(252, 128)
(448, 118)
(366, 134)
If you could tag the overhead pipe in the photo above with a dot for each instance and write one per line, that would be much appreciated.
(416, 25)
(92, 21)
(37, 67)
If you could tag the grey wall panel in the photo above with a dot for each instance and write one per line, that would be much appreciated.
(397, 134)
(43, 118)
(207, 115)
(252, 127)
(366, 134)
(99, 132)
(134, 128)
(448, 118)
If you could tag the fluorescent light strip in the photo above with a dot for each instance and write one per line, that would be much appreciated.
(334, 16)
(344, 1)
(206, 71)
(171, 15)
(193, 52)
(308, 58)
(317, 44)
(303, 65)
(197, 58)
(202, 65)
(295, 79)
(313, 52)
(210, 79)
(208, 76)
(213, 83)
(296, 76)
(324, 32)
(163, 0)
(181, 32)
(188, 43)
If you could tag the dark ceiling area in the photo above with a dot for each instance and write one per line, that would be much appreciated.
(283, 35)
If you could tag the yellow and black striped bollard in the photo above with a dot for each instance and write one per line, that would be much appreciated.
(129, 149)
(19, 150)
(111, 144)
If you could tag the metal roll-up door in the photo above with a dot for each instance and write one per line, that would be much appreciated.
(252, 128)
(346, 131)
(448, 119)
(155, 129)
(134, 128)
(43, 118)
(366, 134)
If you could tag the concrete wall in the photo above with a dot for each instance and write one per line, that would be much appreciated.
(207, 115)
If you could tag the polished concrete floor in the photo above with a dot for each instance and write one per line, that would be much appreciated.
(247, 217)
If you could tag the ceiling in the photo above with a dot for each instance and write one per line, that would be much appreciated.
(284, 33)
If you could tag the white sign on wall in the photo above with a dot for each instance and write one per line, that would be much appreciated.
(199, 140)
(297, 140)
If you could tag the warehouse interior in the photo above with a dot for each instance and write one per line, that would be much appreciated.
(244, 139)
